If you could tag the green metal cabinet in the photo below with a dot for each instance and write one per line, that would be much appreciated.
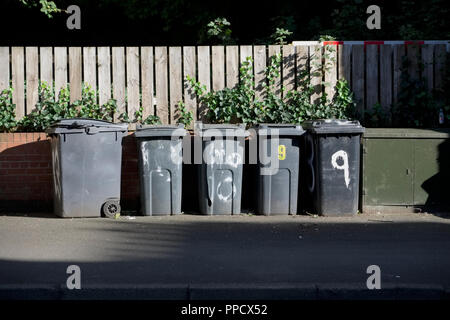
(405, 169)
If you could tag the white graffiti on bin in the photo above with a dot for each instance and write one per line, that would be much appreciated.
(341, 154)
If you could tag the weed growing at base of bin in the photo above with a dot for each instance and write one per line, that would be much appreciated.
(241, 104)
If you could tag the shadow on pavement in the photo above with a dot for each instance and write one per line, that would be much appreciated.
(183, 254)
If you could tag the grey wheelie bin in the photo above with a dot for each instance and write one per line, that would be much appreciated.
(332, 165)
(220, 171)
(86, 158)
(278, 168)
(160, 168)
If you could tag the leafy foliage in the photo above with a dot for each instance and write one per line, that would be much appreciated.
(377, 117)
(241, 104)
(47, 7)
(416, 106)
(139, 117)
(280, 35)
(401, 19)
(185, 116)
(183, 22)
(219, 29)
(48, 109)
(7, 111)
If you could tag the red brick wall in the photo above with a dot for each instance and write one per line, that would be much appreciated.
(26, 181)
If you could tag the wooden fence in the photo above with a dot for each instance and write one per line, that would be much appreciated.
(153, 77)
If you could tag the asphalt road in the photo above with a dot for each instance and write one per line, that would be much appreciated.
(198, 257)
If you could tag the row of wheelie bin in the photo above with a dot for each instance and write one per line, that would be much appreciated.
(318, 161)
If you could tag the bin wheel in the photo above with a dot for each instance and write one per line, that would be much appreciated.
(111, 209)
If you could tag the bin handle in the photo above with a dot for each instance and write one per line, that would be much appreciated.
(209, 184)
(310, 162)
(92, 130)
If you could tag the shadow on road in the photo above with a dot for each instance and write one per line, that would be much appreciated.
(218, 252)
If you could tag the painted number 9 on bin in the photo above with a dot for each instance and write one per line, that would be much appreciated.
(281, 152)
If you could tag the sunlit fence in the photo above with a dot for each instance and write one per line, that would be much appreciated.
(154, 77)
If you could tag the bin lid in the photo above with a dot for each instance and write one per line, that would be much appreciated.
(77, 125)
(332, 126)
(407, 133)
(264, 129)
(224, 130)
(160, 130)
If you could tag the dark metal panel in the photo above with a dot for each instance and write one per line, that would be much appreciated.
(388, 172)
(432, 172)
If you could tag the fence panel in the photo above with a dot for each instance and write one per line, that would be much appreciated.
(330, 57)
(189, 69)
(118, 78)
(32, 77)
(104, 75)
(4, 68)
(218, 67)
(260, 70)
(90, 67)
(75, 73)
(274, 50)
(46, 60)
(288, 68)
(371, 76)
(18, 78)
(439, 68)
(413, 52)
(345, 63)
(232, 66)
(427, 61)
(175, 82)
(147, 81)
(133, 100)
(150, 77)
(60, 68)
(358, 77)
(386, 77)
(398, 54)
(161, 84)
(315, 63)
(301, 64)
(204, 69)
(246, 52)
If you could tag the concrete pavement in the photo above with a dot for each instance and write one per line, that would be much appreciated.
(223, 257)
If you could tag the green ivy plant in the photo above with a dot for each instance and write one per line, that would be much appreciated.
(139, 117)
(152, 119)
(241, 104)
(89, 108)
(49, 110)
(7, 111)
(377, 117)
(280, 35)
(416, 106)
(229, 105)
(185, 116)
(220, 29)
(47, 7)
